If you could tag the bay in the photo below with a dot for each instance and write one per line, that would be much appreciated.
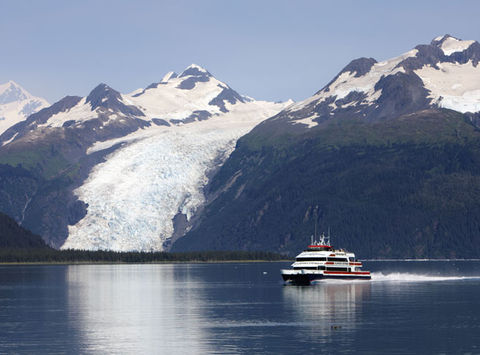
(236, 308)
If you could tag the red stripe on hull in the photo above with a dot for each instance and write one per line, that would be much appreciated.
(347, 273)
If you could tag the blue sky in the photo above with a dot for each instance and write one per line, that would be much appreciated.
(271, 50)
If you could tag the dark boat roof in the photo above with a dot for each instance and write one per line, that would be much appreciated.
(319, 247)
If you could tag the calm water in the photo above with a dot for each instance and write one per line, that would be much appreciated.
(408, 307)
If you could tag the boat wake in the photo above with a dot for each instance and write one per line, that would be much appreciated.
(417, 260)
(409, 277)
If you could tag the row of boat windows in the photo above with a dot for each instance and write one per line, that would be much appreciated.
(346, 269)
(323, 259)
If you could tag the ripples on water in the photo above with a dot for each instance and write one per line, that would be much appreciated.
(408, 307)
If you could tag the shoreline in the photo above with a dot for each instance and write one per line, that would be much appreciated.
(102, 262)
(6, 263)
(50, 256)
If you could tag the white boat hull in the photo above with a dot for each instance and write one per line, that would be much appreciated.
(306, 277)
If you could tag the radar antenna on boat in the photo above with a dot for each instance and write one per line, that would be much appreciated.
(323, 240)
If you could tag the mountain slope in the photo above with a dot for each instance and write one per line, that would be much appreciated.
(124, 171)
(16, 104)
(394, 172)
(14, 236)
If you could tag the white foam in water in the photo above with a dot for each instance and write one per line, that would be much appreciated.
(418, 260)
(407, 277)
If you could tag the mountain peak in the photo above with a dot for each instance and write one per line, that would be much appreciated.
(192, 75)
(449, 44)
(196, 66)
(107, 98)
(440, 39)
(102, 93)
(16, 104)
(104, 96)
(11, 91)
(195, 70)
(8, 84)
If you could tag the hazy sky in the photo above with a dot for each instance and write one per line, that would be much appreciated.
(271, 50)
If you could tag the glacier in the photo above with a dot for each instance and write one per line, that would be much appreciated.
(159, 172)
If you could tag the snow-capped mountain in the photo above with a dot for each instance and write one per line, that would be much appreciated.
(16, 104)
(442, 74)
(194, 95)
(142, 158)
(387, 155)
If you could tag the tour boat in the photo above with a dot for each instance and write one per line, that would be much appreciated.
(320, 261)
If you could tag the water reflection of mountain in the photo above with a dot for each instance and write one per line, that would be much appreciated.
(136, 308)
(328, 304)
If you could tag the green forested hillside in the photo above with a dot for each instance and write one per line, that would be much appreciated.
(408, 187)
(37, 177)
(14, 236)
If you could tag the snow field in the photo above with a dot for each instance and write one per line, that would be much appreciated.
(454, 86)
(16, 111)
(134, 195)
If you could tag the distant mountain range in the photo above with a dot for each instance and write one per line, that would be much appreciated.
(123, 171)
(386, 155)
(16, 104)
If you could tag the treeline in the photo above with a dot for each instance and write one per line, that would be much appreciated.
(48, 255)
